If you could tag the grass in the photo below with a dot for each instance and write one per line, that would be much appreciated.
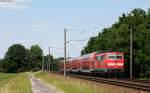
(5, 78)
(69, 85)
(16, 83)
(144, 78)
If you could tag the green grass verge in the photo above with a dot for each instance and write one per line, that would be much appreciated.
(18, 84)
(144, 78)
(69, 85)
(5, 78)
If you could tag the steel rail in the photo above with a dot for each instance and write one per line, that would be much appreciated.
(129, 84)
(135, 84)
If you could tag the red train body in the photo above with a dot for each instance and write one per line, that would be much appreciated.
(97, 63)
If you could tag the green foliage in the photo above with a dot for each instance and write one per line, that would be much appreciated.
(1, 65)
(56, 61)
(90, 47)
(36, 54)
(117, 38)
(19, 59)
(53, 63)
(15, 59)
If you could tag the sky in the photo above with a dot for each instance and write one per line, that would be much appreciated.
(42, 22)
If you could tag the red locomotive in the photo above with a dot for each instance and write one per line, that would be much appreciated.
(98, 63)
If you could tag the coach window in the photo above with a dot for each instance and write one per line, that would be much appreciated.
(100, 58)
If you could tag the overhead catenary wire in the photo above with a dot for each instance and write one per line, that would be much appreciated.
(109, 20)
(99, 25)
(74, 38)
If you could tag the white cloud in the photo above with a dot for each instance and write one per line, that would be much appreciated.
(14, 4)
(42, 24)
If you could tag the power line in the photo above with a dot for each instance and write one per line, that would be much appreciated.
(99, 25)
(75, 47)
(109, 20)
(80, 40)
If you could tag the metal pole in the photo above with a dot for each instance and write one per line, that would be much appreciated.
(49, 59)
(84, 52)
(131, 54)
(65, 30)
(43, 63)
(47, 65)
(57, 67)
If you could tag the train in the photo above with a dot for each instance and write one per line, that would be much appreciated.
(102, 63)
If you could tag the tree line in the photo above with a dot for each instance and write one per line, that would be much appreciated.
(19, 59)
(117, 38)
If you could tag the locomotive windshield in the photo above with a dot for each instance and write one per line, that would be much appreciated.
(119, 57)
(115, 56)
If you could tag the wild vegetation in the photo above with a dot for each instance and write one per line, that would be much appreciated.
(117, 38)
(5, 78)
(74, 85)
(15, 83)
(70, 85)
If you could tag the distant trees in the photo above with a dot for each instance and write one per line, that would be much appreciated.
(35, 56)
(1, 64)
(20, 59)
(53, 63)
(55, 66)
(117, 38)
(15, 59)
(47, 61)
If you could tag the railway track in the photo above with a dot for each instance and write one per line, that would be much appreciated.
(129, 84)
(136, 84)
(137, 80)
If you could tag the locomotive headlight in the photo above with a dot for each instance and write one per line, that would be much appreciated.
(119, 64)
(115, 64)
(111, 64)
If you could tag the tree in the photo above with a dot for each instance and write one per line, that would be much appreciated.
(1, 65)
(36, 54)
(117, 38)
(90, 47)
(57, 60)
(53, 62)
(15, 59)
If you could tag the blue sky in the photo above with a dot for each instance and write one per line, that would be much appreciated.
(41, 22)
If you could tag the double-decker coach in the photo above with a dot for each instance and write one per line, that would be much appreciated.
(68, 65)
(97, 63)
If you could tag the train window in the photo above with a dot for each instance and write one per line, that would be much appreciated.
(114, 56)
(111, 57)
(118, 57)
(100, 58)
